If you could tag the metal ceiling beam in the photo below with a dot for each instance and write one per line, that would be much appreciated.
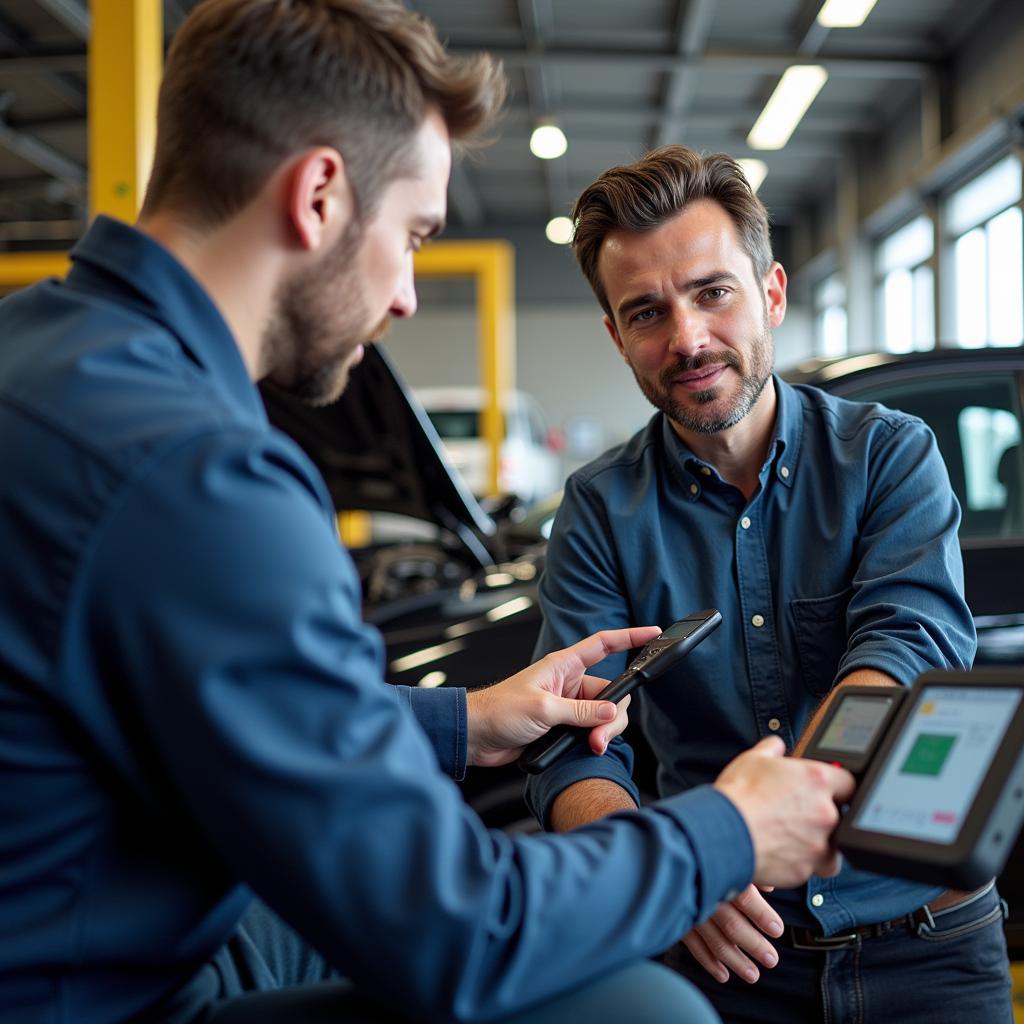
(807, 34)
(72, 14)
(753, 61)
(40, 155)
(537, 19)
(695, 18)
(19, 47)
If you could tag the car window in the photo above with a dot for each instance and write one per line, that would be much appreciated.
(455, 425)
(977, 423)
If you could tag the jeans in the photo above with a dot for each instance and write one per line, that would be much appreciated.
(955, 972)
(267, 974)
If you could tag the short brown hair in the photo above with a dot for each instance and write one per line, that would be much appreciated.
(250, 83)
(642, 196)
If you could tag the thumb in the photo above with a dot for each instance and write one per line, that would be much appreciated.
(588, 713)
(770, 746)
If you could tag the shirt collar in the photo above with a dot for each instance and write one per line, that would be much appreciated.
(782, 453)
(117, 257)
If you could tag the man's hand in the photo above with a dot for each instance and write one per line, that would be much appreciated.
(554, 691)
(722, 942)
(789, 806)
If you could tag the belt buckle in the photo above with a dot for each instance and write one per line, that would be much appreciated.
(826, 942)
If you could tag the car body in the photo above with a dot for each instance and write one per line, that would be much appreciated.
(472, 616)
(529, 466)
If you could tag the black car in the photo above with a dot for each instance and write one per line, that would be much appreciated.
(462, 604)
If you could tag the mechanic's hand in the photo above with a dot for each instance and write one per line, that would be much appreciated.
(735, 929)
(789, 805)
(554, 691)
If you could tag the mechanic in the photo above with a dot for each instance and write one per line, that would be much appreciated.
(825, 532)
(193, 712)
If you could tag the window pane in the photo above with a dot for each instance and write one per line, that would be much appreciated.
(911, 245)
(833, 331)
(988, 194)
(898, 303)
(1006, 278)
(971, 294)
(986, 435)
(924, 309)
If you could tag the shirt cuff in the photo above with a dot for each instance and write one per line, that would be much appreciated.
(615, 764)
(441, 714)
(720, 840)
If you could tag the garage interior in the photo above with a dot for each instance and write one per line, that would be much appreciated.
(896, 203)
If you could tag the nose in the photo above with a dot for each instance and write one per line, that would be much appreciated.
(689, 330)
(403, 304)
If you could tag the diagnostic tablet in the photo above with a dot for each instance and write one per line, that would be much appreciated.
(943, 799)
(854, 726)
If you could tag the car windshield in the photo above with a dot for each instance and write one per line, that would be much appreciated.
(455, 424)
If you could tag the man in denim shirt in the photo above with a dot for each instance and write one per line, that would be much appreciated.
(825, 532)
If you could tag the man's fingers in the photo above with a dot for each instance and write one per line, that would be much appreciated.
(603, 735)
(741, 939)
(598, 646)
(759, 911)
(723, 949)
(699, 951)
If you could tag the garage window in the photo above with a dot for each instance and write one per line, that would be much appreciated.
(984, 221)
(905, 292)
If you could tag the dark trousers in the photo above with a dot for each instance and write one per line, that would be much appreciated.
(955, 972)
(267, 974)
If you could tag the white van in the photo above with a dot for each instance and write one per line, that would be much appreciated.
(530, 466)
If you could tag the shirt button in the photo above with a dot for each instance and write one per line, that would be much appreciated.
(785, 472)
(694, 488)
(817, 900)
(705, 470)
(774, 724)
(745, 522)
(758, 621)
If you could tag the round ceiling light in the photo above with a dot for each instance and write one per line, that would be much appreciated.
(548, 142)
(559, 230)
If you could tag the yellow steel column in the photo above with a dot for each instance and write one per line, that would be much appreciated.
(125, 59)
(492, 265)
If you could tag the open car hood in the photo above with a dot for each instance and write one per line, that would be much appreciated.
(378, 452)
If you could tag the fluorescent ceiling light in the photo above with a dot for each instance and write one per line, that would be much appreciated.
(793, 95)
(559, 230)
(844, 13)
(548, 142)
(754, 171)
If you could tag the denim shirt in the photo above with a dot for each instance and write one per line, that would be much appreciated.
(845, 558)
(191, 709)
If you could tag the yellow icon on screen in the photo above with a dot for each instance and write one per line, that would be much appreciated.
(928, 707)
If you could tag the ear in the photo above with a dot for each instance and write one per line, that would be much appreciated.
(319, 199)
(611, 329)
(775, 294)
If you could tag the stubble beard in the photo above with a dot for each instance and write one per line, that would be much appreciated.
(310, 348)
(752, 383)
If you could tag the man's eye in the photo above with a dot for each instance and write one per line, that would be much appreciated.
(643, 315)
(714, 294)
(415, 243)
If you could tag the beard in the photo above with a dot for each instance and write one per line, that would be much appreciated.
(708, 411)
(309, 348)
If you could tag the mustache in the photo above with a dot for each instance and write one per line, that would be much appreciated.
(687, 364)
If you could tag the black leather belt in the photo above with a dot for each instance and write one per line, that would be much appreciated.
(807, 938)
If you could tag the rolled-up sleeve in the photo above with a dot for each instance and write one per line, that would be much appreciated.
(907, 613)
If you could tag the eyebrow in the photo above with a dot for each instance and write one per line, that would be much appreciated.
(695, 284)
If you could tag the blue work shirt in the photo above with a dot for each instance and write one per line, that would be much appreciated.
(845, 558)
(191, 709)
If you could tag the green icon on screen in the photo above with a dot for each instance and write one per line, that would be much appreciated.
(928, 754)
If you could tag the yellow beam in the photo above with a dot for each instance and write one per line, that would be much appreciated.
(492, 265)
(20, 269)
(125, 60)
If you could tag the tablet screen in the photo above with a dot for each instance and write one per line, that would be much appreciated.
(934, 770)
(855, 724)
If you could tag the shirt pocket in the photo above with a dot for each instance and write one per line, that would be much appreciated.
(819, 624)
